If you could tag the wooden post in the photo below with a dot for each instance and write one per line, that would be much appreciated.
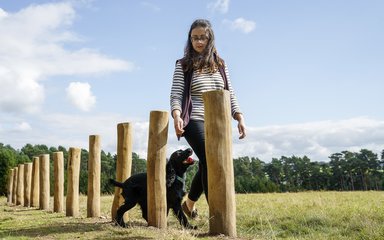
(218, 148)
(58, 195)
(72, 201)
(44, 182)
(94, 171)
(156, 161)
(14, 195)
(10, 186)
(27, 184)
(123, 164)
(20, 185)
(35, 185)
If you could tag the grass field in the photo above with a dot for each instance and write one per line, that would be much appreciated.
(308, 215)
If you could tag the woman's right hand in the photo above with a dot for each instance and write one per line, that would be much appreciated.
(178, 123)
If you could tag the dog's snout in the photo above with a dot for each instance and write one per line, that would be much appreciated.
(189, 151)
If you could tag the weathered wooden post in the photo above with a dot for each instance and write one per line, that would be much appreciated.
(27, 184)
(20, 185)
(123, 164)
(72, 201)
(156, 161)
(14, 195)
(58, 195)
(35, 185)
(94, 171)
(218, 148)
(10, 186)
(44, 182)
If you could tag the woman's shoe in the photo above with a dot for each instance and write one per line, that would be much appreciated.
(191, 214)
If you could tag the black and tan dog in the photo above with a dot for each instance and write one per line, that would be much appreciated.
(135, 188)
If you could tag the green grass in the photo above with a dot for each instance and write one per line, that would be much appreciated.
(308, 215)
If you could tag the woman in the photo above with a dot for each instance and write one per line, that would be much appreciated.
(200, 70)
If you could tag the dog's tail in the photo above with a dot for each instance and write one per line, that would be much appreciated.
(115, 183)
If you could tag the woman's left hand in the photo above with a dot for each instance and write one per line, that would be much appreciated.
(240, 125)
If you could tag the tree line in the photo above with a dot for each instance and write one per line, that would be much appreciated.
(345, 171)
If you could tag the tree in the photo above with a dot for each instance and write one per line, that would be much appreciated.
(338, 167)
(320, 176)
(139, 165)
(34, 151)
(8, 160)
(275, 171)
(370, 170)
(107, 171)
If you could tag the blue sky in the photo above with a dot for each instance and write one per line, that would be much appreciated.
(308, 75)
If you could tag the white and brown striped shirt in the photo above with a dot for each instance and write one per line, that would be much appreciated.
(201, 82)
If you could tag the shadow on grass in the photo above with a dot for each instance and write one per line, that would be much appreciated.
(78, 229)
(47, 225)
(32, 223)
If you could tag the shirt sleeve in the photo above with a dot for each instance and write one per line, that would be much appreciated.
(177, 88)
(235, 108)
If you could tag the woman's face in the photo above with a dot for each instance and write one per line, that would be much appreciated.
(199, 39)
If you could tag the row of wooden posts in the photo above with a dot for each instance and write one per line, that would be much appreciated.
(29, 183)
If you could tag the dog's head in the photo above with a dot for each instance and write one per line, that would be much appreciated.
(178, 164)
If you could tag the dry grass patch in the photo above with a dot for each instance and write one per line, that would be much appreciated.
(308, 215)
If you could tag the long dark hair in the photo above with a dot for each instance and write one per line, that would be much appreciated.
(208, 58)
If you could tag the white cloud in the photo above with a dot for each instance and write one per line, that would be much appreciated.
(32, 49)
(221, 6)
(151, 6)
(3, 13)
(81, 96)
(19, 90)
(23, 126)
(241, 24)
(74, 130)
(317, 140)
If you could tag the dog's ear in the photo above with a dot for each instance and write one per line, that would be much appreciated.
(170, 175)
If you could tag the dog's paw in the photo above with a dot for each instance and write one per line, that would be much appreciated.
(120, 223)
(189, 226)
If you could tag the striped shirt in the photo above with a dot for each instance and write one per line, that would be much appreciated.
(201, 82)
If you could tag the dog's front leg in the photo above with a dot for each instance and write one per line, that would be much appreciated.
(182, 218)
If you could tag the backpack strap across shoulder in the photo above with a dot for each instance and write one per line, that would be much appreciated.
(186, 104)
